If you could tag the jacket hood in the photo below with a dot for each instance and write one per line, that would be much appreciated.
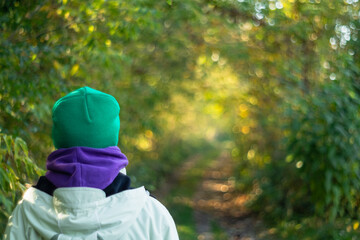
(84, 166)
(82, 213)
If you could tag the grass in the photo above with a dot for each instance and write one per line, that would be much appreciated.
(314, 228)
(218, 232)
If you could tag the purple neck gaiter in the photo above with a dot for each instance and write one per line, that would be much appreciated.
(84, 166)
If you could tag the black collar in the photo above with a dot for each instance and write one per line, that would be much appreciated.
(120, 183)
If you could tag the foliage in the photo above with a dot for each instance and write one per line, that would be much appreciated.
(142, 52)
(315, 228)
(17, 169)
(134, 50)
(255, 74)
(320, 173)
(296, 128)
(323, 140)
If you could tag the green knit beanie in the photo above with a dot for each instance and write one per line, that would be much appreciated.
(86, 117)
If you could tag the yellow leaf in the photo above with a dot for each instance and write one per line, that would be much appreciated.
(74, 69)
(243, 108)
(243, 114)
(108, 43)
(91, 28)
(245, 129)
(356, 225)
(144, 144)
(149, 134)
(201, 60)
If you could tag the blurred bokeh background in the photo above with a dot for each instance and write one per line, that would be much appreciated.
(242, 116)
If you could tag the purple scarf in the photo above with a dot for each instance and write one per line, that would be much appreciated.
(84, 166)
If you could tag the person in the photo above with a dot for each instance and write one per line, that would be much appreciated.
(86, 193)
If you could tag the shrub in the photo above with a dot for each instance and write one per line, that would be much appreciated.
(16, 169)
(323, 139)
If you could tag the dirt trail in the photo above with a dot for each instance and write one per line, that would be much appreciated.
(216, 202)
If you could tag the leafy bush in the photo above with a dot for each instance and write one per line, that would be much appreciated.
(323, 141)
(16, 169)
(320, 171)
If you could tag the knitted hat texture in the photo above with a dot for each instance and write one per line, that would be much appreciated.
(86, 117)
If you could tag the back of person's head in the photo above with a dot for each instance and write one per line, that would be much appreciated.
(86, 117)
(85, 132)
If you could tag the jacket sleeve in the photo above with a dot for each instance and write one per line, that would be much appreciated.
(165, 223)
(170, 232)
(15, 228)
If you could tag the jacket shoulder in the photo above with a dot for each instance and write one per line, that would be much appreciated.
(17, 226)
(157, 220)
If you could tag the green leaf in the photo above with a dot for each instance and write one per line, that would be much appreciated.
(328, 181)
(9, 141)
(22, 144)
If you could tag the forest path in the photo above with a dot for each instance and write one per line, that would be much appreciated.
(217, 204)
(201, 197)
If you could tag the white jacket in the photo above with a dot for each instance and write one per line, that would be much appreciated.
(86, 213)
